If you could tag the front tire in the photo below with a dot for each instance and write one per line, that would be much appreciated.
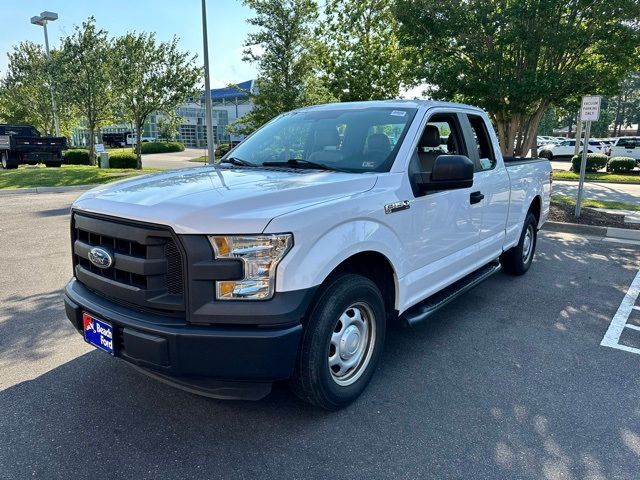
(517, 260)
(341, 343)
(546, 154)
(53, 164)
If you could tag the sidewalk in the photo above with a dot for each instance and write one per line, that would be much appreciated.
(621, 192)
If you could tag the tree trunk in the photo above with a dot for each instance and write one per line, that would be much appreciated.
(91, 145)
(506, 132)
(530, 131)
(139, 146)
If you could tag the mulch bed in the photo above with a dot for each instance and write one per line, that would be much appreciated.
(588, 216)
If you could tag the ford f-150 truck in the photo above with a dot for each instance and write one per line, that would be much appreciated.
(289, 259)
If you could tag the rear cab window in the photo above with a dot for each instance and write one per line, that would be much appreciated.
(483, 145)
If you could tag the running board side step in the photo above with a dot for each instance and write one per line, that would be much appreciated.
(435, 302)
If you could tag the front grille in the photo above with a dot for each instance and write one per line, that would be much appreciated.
(174, 268)
(147, 265)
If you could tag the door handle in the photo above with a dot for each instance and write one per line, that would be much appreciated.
(475, 197)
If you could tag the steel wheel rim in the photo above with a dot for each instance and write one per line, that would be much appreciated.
(4, 160)
(527, 244)
(351, 344)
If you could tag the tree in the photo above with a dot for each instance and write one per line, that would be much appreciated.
(362, 58)
(282, 47)
(517, 58)
(151, 77)
(88, 66)
(25, 90)
(626, 104)
(169, 125)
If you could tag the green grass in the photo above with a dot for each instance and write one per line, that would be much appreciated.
(610, 204)
(199, 159)
(598, 176)
(67, 175)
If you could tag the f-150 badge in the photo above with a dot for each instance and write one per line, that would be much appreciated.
(396, 206)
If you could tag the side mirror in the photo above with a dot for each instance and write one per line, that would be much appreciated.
(450, 172)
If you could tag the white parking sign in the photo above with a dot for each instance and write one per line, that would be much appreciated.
(590, 111)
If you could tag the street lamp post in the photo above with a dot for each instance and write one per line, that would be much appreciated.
(207, 89)
(42, 20)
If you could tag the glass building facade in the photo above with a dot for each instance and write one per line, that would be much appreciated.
(229, 104)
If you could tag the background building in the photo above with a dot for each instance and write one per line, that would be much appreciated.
(229, 104)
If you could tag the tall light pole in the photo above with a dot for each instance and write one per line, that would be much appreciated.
(211, 155)
(42, 20)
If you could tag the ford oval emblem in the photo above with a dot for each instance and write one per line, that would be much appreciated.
(100, 257)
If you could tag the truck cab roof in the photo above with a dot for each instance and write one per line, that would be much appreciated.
(400, 103)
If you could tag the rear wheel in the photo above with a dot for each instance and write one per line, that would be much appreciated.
(7, 162)
(517, 260)
(341, 343)
(53, 164)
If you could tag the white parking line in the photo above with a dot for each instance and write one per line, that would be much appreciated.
(619, 321)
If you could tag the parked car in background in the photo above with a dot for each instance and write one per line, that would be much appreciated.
(542, 140)
(132, 140)
(625, 147)
(21, 144)
(565, 149)
(287, 261)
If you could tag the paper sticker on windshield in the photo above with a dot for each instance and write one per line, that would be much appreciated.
(398, 113)
(368, 164)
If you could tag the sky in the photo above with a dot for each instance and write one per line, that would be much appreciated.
(227, 27)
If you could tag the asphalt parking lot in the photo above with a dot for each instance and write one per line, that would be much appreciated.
(510, 381)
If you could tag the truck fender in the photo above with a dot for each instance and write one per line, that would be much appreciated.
(312, 263)
(518, 212)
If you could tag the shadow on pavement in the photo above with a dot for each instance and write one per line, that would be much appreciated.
(503, 383)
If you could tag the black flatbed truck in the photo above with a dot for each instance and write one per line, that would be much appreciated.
(23, 144)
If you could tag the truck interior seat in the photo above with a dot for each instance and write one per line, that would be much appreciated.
(326, 142)
(429, 148)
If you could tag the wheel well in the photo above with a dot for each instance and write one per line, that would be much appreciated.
(378, 269)
(536, 208)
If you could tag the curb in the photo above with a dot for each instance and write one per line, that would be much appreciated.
(73, 188)
(609, 232)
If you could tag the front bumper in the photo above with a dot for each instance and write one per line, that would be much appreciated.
(192, 356)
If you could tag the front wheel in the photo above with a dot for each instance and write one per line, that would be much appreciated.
(517, 260)
(341, 343)
(546, 154)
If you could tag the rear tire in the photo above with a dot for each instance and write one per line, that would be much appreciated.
(341, 343)
(6, 161)
(517, 260)
(53, 164)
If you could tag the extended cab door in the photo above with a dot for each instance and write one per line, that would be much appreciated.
(443, 229)
(491, 184)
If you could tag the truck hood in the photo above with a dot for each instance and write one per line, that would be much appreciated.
(222, 200)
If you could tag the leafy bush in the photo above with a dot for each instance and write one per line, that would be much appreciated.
(222, 149)
(161, 147)
(621, 164)
(595, 162)
(123, 160)
(76, 156)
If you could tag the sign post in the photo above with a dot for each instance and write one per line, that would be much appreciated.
(589, 112)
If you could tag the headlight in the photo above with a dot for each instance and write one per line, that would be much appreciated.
(260, 254)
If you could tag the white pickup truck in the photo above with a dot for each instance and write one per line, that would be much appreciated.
(289, 259)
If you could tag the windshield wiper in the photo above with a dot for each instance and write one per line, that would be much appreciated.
(237, 161)
(300, 163)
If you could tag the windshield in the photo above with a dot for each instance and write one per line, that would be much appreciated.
(353, 140)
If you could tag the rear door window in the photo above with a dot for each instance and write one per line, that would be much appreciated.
(482, 142)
